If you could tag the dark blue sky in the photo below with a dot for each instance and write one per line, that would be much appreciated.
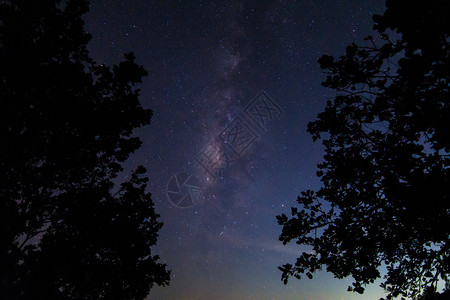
(207, 61)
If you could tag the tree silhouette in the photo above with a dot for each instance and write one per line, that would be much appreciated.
(66, 125)
(431, 294)
(385, 195)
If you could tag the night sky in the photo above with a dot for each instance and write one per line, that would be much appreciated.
(232, 88)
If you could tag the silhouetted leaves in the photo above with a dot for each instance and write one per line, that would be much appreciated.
(66, 124)
(386, 170)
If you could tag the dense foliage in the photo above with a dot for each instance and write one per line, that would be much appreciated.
(385, 198)
(66, 125)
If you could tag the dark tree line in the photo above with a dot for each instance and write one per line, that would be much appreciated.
(385, 195)
(66, 125)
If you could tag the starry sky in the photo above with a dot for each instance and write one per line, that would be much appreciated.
(232, 86)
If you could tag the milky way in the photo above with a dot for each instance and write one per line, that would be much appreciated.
(207, 62)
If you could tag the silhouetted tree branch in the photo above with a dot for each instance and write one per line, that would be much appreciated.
(385, 175)
(66, 126)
